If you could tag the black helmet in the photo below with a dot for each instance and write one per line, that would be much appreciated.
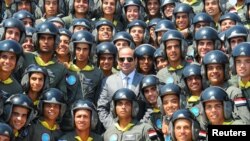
(106, 47)
(64, 31)
(81, 22)
(11, 46)
(144, 49)
(175, 35)
(56, 20)
(217, 93)
(52, 95)
(164, 25)
(122, 35)
(202, 17)
(153, 22)
(6, 130)
(215, 57)
(18, 100)
(149, 80)
(125, 94)
(30, 31)
(159, 53)
(85, 104)
(230, 16)
(23, 14)
(207, 33)
(185, 114)
(25, 82)
(132, 2)
(192, 69)
(13, 22)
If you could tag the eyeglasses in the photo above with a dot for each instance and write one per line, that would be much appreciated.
(129, 59)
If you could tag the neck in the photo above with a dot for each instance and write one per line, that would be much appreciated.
(124, 122)
(240, 2)
(107, 72)
(80, 15)
(5, 75)
(51, 123)
(46, 57)
(109, 17)
(84, 135)
(245, 80)
(196, 93)
(217, 18)
(81, 64)
(33, 95)
(175, 63)
(62, 58)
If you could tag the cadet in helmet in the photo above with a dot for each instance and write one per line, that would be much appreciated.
(200, 20)
(241, 57)
(151, 27)
(110, 10)
(26, 17)
(125, 109)
(160, 60)
(18, 113)
(216, 108)
(205, 40)
(79, 9)
(138, 30)
(57, 21)
(167, 8)
(106, 53)
(215, 68)
(215, 9)
(34, 81)
(51, 8)
(28, 45)
(80, 24)
(149, 90)
(193, 84)
(175, 50)
(182, 19)
(51, 108)
(85, 118)
(18, 5)
(229, 20)
(152, 9)
(63, 54)
(104, 31)
(13, 29)
(132, 10)
(10, 51)
(123, 39)
(145, 56)
(240, 7)
(247, 15)
(161, 27)
(46, 40)
(6, 133)
(172, 99)
(184, 126)
(235, 35)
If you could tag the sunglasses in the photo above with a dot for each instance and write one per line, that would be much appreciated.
(129, 59)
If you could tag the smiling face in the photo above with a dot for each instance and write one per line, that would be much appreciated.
(137, 32)
(132, 13)
(51, 111)
(108, 7)
(173, 50)
(151, 94)
(183, 130)
(194, 83)
(12, 33)
(242, 64)
(204, 46)
(170, 104)
(82, 118)
(7, 61)
(153, 7)
(215, 74)
(63, 47)
(106, 62)
(182, 21)
(105, 33)
(212, 7)
(81, 6)
(214, 112)
(18, 117)
(36, 81)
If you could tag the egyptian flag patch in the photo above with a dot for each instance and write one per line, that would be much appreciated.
(202, 134)
(152, 134)
(240, 101)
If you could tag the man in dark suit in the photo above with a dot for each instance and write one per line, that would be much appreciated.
(127, 77)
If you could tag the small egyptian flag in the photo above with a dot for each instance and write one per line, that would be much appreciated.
(152, 134)
(240, 101)
(202, 134)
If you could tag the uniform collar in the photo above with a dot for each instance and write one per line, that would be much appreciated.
(7, 81)
(129, 126)
(79, 139)
(46, 125)
(193, 98)
(190, 3)
(75, 68)
(242, 85)
(40, 62)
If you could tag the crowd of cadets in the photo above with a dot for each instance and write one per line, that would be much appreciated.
(117, 70)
